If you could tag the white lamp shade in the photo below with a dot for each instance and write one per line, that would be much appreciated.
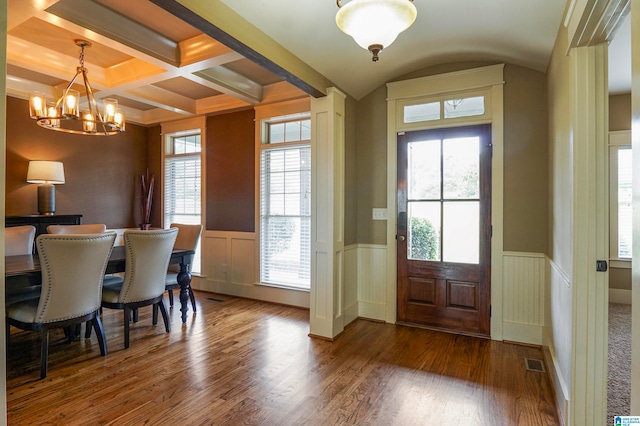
(372, 22)
(45, 172)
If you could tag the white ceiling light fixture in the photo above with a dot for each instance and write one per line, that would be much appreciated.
(375, 24)
(65, 115)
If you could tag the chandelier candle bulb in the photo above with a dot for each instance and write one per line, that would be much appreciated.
(110, 110)
(53, 113)
(71, 103)
(88, 124)
(119, 120)
(37, 102)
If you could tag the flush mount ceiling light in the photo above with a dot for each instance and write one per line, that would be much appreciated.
(375, 24)
(65, 115)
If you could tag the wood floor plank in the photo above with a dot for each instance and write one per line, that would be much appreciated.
(239, 361)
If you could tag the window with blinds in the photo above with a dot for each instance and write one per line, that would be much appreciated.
(182, 184)
(625, 232)
(285, 205)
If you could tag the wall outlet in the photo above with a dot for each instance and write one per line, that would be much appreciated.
(379, 214)
(224, 268)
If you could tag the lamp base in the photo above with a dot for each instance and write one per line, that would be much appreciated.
(46, 199)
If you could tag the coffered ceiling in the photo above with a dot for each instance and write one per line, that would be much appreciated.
(158, 67)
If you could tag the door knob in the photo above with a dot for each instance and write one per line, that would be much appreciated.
(401, 238)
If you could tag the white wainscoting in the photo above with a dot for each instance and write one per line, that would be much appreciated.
(372, 285)
(230, 266)
(523, 296)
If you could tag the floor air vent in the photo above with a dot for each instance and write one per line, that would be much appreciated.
(534, 365)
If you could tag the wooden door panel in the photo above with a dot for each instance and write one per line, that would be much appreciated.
(452, 296)
(422, 290)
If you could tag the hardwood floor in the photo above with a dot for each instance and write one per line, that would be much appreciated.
(239, 361)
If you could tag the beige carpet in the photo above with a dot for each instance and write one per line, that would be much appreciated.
(619, 377)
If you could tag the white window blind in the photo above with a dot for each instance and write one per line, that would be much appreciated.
(625, 232)
(285, 216)
(182, 185)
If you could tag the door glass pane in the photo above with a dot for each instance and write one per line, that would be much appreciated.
(424, 170)
(423, 230)
(461, 168)
(461, 232)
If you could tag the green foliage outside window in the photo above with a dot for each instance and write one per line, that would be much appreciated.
(423, 240)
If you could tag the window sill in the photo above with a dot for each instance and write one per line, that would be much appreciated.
(620, 263)
(284, 287)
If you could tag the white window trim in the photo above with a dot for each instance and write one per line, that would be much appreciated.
(616, 139)
(177, 128)
(272, 113)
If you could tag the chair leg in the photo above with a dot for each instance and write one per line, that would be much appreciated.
(165, 316)
(87, 329)
(193, 299)
(170, 297)
(135, 315)
(126, 327)
(155, 314)
(102, 341)
(8, 336)
(44, 353)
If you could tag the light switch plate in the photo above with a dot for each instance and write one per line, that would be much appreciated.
(379, 214)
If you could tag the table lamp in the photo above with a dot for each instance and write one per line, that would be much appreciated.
(46, 174)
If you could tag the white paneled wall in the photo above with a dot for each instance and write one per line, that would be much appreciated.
(523, 296)
(230, 266)
(372, 288)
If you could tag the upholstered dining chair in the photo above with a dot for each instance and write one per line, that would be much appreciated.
(89, 228)
(19, 240)
(72, 271)
(147, 258)
(188, 239)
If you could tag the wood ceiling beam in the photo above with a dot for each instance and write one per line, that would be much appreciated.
(104, 21)
(217, 20)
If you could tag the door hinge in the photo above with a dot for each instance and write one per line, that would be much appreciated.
(491, 231)
(490, 310)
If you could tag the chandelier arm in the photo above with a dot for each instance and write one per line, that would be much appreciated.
(91, 99)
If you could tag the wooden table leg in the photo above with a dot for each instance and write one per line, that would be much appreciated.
(184, 279)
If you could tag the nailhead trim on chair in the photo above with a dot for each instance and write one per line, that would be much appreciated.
(45, 261)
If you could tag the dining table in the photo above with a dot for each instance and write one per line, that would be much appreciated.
(22, 272)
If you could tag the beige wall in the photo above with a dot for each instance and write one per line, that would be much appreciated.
(526, 185)
(620, 112)
(526, 158)
(371, 165)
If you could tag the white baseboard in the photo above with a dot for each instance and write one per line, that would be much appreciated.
(374, 311)
(562, 399)
(522, 333)
(617, 295)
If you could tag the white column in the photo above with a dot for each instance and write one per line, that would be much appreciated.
(327, 214)
(589, 115)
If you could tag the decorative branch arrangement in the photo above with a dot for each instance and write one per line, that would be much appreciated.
(147, 181)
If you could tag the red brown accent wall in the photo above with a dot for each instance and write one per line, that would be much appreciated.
(101, 172)
(230, 172)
